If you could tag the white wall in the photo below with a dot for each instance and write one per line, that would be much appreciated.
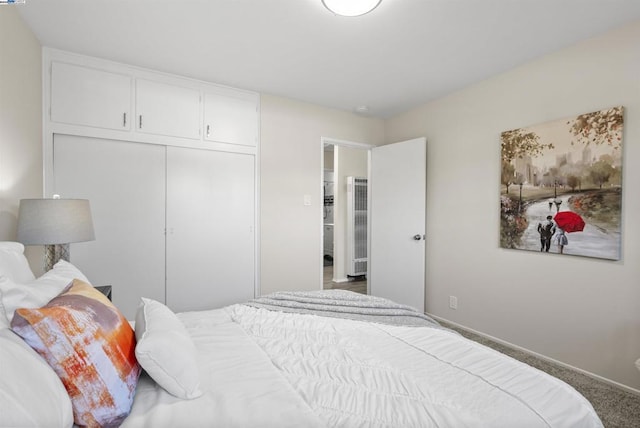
(20, 124)
(350, 162)
(290, 167)
(581, 311)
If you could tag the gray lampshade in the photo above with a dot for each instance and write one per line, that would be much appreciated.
(54, 221)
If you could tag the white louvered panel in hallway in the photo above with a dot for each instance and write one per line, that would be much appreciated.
(357, 226)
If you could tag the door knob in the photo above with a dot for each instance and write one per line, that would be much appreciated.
(417, 237)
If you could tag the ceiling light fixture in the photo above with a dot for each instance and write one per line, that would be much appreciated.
(351, 7)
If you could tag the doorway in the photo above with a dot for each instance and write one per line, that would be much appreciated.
(344, 221)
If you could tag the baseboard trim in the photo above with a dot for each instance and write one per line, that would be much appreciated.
(543, 357)
(340, 280)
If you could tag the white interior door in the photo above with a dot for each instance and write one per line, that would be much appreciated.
(210, 228)
(124, 183)
(398, 205)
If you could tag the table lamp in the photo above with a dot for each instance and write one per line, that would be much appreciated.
(54, 223)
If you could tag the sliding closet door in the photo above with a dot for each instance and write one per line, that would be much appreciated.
(210, 228)
(125, 184)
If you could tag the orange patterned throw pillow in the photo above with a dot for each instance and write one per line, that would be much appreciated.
(91, 347)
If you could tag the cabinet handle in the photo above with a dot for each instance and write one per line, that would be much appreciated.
(140, 122)
(124, 119)
(208, 130)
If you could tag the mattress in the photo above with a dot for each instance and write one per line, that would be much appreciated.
(264, 368)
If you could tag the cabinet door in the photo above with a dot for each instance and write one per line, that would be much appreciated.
(210, 228)
(85, 96)
(163, 109)
(125, 185)
(229, 119)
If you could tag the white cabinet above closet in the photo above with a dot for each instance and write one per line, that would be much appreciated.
(87, 96)
(103, 99)
(230, 119)
(168, 110)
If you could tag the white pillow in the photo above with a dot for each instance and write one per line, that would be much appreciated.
(37, 292)
(165, 350)
(31, 394)
(13, 263)
(62, 270)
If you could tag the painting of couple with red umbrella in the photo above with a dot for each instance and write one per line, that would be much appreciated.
(561, 186)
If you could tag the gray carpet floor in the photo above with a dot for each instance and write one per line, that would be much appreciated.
(616, 407)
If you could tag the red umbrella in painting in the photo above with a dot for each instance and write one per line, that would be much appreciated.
(569, 221)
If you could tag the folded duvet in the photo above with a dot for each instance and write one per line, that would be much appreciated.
(343, 304)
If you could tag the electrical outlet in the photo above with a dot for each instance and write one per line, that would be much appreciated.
(453, 302)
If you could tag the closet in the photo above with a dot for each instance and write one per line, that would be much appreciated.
(210, 228)
(169, 167)
(125, 185)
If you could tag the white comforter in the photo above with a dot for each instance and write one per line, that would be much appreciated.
(271, 369)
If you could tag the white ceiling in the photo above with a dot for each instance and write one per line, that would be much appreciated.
(403, 54)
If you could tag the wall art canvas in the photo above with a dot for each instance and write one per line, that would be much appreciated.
(561, 186)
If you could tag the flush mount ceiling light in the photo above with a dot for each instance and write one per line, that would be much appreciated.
(351, 7)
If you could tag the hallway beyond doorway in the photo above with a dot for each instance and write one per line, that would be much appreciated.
(356, 285)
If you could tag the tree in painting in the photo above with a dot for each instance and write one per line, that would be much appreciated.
(518, 144)
(566, 165)
(599, 127)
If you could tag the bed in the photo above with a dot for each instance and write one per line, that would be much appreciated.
(306, 359)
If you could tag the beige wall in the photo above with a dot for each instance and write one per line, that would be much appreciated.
(20, 123)
(290, 167)
(581, 311)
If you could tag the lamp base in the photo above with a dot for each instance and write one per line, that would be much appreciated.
(53, 253)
